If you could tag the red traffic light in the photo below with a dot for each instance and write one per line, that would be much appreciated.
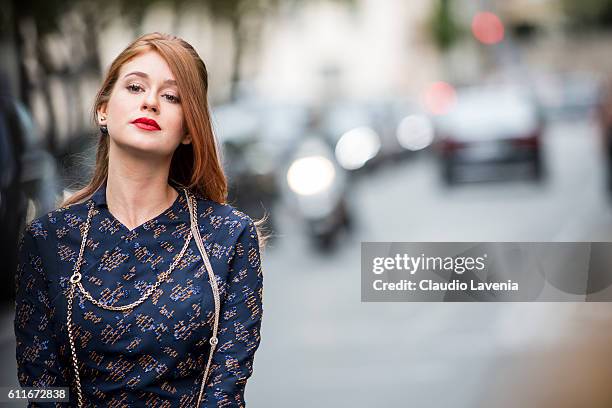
(487, 28)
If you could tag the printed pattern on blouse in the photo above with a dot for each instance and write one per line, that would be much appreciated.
(152, 355)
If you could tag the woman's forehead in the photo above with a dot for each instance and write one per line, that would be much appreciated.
(147, 65)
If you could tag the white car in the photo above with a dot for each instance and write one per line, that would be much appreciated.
(490, 133)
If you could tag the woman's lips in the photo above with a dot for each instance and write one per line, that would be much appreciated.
(144, 126)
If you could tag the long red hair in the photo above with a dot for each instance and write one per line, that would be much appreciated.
(196, 165)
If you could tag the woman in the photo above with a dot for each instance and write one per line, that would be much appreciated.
(145, 288)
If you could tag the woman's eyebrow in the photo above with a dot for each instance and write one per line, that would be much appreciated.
(143, 75)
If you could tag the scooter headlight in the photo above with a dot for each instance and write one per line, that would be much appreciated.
(356, 147)
(311, 175)
(415, 132)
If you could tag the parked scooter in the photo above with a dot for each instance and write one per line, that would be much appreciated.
(317, 186)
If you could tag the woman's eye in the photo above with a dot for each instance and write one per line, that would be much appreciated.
(172, 98)
(134, 87)
(137, 88)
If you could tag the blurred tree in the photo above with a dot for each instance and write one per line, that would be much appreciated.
(34, 21)
(588, 13)
(246, 19)
(236, 13)
(443, 27)
(31, 23)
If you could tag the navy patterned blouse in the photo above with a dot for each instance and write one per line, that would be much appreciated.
(153, 355)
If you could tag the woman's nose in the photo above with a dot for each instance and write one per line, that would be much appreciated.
(150, 102)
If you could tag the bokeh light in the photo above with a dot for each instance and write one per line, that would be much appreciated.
(487, 28)
(415, 132)
(439, 98)
(356, 147)
(311, 175)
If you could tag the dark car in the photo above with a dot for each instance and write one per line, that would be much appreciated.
(28, 180)
(249, 163)
(491, 133)
(275, 150)
(605, 122)
(368, 133)
(12, 201)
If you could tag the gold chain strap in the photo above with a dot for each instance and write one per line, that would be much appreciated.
(75, 281)
(193, 211)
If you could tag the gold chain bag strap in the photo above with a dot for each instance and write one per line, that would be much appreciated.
(75, 281)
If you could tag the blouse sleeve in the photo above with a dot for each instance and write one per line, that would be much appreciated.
(38, 363)
(239, 325)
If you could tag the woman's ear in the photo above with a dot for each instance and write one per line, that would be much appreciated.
(101, 112)
(186, 139)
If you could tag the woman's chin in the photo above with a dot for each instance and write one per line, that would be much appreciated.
(153, 147)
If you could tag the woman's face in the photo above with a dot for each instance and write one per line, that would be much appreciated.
(145, 88)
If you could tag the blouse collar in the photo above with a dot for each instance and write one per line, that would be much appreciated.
(99, 197)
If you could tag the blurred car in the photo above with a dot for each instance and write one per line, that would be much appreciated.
(12, 201)
(368, 133)
(567, 95)
(249, 162)
(28, 180)
(490, 133)
(605, 123)
(276, 150)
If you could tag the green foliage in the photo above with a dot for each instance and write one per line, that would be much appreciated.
(46, 13)
(443, 27)
(588, 13)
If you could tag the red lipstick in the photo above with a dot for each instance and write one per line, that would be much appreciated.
(146, 124)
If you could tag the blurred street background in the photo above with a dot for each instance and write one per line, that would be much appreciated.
(347, 121)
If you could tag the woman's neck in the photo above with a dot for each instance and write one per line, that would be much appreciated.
(137, 190)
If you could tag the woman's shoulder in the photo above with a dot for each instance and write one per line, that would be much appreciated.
(43, 226)
(222, 220)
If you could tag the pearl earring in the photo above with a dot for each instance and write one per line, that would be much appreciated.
(103, 128)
